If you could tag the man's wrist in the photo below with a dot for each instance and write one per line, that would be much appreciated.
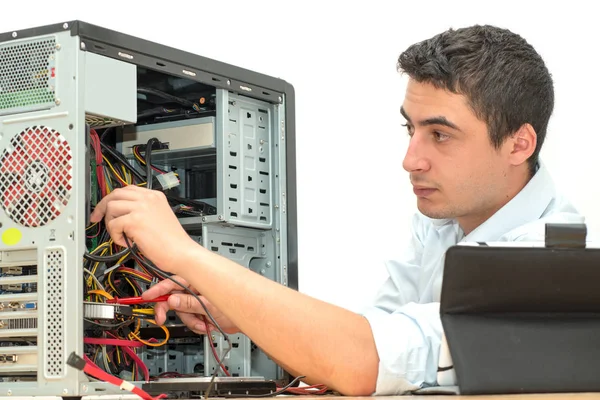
(190, 255)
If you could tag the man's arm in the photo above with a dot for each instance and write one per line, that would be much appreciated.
(309, 337)
(306, 336)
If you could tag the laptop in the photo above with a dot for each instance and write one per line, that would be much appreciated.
(522, 318)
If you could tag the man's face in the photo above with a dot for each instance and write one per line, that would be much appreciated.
(454, 169)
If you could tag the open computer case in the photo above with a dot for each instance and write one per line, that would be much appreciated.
(79, 104)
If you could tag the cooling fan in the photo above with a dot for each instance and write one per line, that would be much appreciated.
(36, 174)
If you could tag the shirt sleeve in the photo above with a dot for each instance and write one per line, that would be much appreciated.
(407, 334)
(408, 343)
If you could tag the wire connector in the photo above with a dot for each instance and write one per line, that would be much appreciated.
(76, 362)
(166, 181)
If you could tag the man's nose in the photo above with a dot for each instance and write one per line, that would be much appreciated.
(416, 159)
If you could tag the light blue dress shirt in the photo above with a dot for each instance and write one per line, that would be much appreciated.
(405, 315)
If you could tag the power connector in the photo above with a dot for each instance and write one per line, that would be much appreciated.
(165, 181)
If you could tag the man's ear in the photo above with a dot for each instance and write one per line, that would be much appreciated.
(522, 144)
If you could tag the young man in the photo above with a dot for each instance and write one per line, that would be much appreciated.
(477, 107)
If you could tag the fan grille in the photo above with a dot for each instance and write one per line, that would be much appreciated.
(36, 174)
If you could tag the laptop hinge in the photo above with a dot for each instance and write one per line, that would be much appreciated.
(565, 235)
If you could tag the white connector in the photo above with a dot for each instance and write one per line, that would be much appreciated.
(168, 180)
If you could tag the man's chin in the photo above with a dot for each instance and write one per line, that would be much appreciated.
(432, 212)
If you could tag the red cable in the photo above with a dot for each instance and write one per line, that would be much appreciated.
(137, 300)
(126, 345)
(90, 368)
(138, 361)
(112, 342)
(99, 161)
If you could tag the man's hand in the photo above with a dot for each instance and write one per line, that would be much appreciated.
(146, 218)
(187, 307)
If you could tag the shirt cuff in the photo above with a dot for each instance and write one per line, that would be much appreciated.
(408, 345)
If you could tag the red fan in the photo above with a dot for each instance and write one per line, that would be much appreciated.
(36, 176)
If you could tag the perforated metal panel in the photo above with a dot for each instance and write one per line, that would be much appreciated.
(247, 162)
(27, 73)
(54, 334)
(36, 173)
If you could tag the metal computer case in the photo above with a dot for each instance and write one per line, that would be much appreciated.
(47, 102)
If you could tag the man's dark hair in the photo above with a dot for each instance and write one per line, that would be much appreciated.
(504, 79)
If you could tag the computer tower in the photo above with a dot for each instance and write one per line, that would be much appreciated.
(78, 106)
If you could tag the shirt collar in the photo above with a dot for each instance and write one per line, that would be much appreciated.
(528, 205)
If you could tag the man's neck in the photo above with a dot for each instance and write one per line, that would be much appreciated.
(469, 223)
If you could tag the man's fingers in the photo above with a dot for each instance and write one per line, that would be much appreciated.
(185, 303)
(164, 287)
(128, 193)
(116, 229)
(118, 208)
(160, 312)
(193, 322)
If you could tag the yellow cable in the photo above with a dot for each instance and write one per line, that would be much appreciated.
(101, 293)
(118, 356)
(145, 279)
(122, 259)
(145, 311)
(165, 340)
(114, 171)
(135, 291)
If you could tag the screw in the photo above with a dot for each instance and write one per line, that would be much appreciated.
(262, 141)
(203, 219)
(65, 391)
(284, 268)
(65, 26)
(57, 46)
(221, 218)
(228, 82)
(276, 206)
(85, 388)
(262, 271)
(82, 45)
(9, 393)
(14, 34)
(269, 263)
(280, 99)
(57, 102)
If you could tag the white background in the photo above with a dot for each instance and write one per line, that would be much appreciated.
(354, 200)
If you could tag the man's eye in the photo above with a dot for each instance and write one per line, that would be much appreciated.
(440, 137)
(409, 129)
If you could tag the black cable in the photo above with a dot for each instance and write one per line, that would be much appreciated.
(110, 326)
(277, 393)
(104, 259)
(148, 160)
(109, 129)
(122, 160)
(166, 96)
(139, 152)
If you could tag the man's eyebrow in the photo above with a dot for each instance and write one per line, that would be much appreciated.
(441, 120)
(404, 114)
